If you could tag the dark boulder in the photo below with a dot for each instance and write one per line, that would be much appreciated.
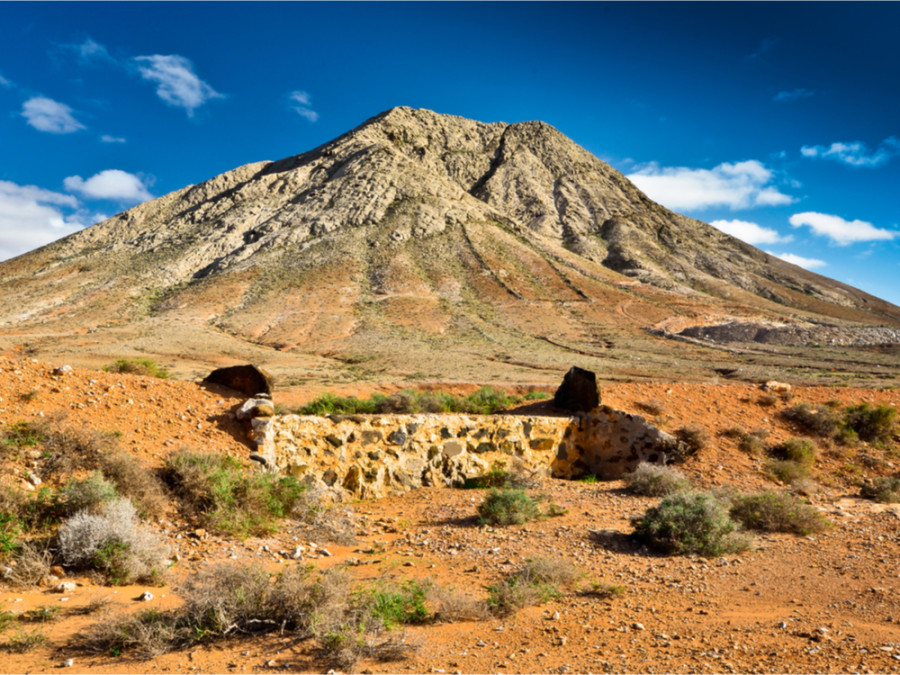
(579, 391)
(248, 380)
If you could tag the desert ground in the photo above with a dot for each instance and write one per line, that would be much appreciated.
(824, 602)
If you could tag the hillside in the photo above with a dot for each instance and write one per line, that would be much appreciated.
(508, 249)
(823, 602)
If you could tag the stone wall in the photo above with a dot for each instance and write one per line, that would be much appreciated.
(365, 456)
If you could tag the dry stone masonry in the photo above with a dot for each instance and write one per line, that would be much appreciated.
(368, 456)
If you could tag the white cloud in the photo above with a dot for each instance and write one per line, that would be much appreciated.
(841, 231)
(792, 95)
(752, 233)
(89, 50)
(302, 105)
(45, 114)
(740, 185)
(855, 153)
(106, 138)
(4, 82)
(31, 216)
(177, 84)
(799, 261)
(111, 184)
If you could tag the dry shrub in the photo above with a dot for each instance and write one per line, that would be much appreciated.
(114, 543)
(137, 482)
(820, 421)
(652, 407)
(885, 490)
(450, 605)
(653, 480)
(507, 507)
(777, 512)
(29, 567)
(788, 472)
(23, 641)
(145, 634)
(89, 494)
(68, 450)
(694, 436)
(535, 582)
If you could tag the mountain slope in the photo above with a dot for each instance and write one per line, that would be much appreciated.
(413, 234)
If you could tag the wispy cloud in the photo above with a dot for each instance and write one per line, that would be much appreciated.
(31, 216)
(91, 51)
(799, 261)
(752, 233)
(765, 46)
(300, 103)
(106, 138)
(112, 184)
(45, 114)
(792, 95)
(840, 231)
(177, 84)
(855, 153)
(740, 185)
(4, 82)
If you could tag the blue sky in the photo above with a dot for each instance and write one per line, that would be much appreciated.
(777, 122)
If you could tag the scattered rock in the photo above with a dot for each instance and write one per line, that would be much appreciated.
(64, 587)
(146, 596)
(247, 379)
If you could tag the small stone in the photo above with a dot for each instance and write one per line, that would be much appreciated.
(554, 616)
(325, 552)
(68, 663)
(637, 626)
(65, 587)
(146, 596)
(782, 624)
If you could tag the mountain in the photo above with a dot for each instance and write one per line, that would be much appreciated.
(420, 246)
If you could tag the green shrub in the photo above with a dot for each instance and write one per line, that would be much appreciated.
(146, 367)
(871, 423)
(22, 435)
(23, 641)
(689, 522)
(653, 480)
(228, 498)
(795, 450)
(788, 472)
(777, 512)
(396, 604)
(89, 494)
(820, 421)
(507, 507)
(885, 490)
(535, 582)
(10, 531)
(137, 482)
(485, 401)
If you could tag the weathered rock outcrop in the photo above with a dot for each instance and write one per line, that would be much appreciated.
(579, 391)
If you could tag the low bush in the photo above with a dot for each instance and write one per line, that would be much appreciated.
(22, 435)
(689, 522)
(795, 450)
(231, 600)
(31, 566)
(229, 498)
(871, 423)
(135, 481)
(113, 543)
(788, 472)
(885, 490)
(395, 604)
(23, 641)
(535, 582)
(10, 530)
(777, 512)
(146, 367)
(751, 442)
(485, 401)
(509, 506)
(652, 407)
(653, 480)
(694, 436)
(89, 494)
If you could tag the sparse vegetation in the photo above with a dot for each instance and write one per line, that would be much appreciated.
(509, 506)
(90, 494)
(883, 489)
(651, 407)
(777, 512)
(795, 450)
(23, 641)
(31, 568)
(535, 582)
(861, 422)
(485, 401)
(690, 522)
(228, 497)
(113, 543)
(694, 436)
(873, 424)
(146, 367)
(22, 435)
(653, 480)
(788, 472)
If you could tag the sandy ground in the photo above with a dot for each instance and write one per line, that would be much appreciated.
(823, 603)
